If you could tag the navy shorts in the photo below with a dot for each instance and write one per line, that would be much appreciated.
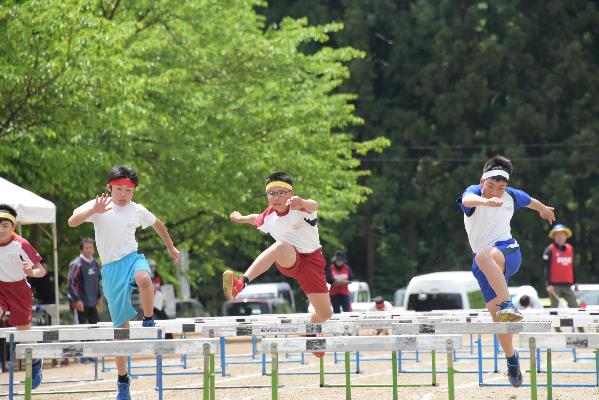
(513, 259)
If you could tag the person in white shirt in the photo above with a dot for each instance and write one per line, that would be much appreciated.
(116, 218)
(488, 210)
(526, 297)
(297, 253)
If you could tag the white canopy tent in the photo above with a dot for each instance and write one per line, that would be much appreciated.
(33, 209)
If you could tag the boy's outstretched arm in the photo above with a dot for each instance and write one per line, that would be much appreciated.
(544, 211)
(243, 219)
(471, 200)
(166, 238)
(297, 203)
(100, 206)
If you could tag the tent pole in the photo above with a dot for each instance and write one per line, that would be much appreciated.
(56, 316)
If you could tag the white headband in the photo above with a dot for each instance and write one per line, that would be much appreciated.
(495, 172)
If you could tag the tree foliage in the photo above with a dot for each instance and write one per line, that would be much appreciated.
(200, 96)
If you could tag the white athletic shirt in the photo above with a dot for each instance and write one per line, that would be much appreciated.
(487, 225)
(115, 229)
(296, 227)
(11, 265)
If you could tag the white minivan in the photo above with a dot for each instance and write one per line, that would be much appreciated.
(443, 291)
(275, 290)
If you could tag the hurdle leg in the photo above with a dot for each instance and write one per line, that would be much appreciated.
(28, 374)
(274, 374)
(434, 366)
(347, 377)
(394, 373)
(549, 376)
(212, 378)
(479, 347)
(11, 366)
(321, 370)
(450, 377)
(533, 369)
(223, 360)
(596, 367)
(159, 376)
(206, 388)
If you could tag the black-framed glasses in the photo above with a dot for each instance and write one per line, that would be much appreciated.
(280, 193)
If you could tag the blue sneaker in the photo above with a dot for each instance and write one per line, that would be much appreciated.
(123, 391)
(36, 372)
(508, 312)
(513, 372)
(148, 323)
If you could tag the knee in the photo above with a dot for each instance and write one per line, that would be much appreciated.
(482, 258)
(326, 314)
(143, 280)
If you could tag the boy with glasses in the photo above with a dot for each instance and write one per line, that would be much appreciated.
(297, 253)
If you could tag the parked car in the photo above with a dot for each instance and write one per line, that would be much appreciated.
(443, 291)
(280, 290)
(359, 293)
(257, 306)
(588, 294)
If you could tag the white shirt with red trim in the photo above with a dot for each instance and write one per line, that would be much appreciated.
(115, 229)
(296, 227)
(11, 265)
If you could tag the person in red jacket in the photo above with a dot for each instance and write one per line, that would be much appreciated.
(559, 267)
(339, 276)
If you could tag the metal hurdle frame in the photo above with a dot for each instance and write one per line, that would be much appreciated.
(62, 335)
(347, 344)
(557, 340)
(154, 347)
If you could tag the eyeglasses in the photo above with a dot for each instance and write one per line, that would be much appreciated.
(280, 193)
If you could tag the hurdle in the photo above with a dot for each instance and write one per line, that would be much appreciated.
(558, 340)
(62, 335)
(347, 344)
(153, 347)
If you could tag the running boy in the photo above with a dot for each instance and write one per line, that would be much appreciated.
(18, 260)
(488, 209)
(115, 220)
(297, 253)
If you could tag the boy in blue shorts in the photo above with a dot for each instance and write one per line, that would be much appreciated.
(488, 209)
(115, 219)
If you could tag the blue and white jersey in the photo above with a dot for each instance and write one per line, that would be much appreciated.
(487, 225)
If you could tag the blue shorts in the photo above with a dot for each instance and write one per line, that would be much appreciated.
(118, 281)
(513, 259)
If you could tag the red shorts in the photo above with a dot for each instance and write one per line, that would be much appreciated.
(17, 298)
(308, 271)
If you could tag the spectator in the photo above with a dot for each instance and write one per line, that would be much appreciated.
(84, 283)
(559, 267)
(379, 304)
(526, 297)
(159, 300)
(339, 276)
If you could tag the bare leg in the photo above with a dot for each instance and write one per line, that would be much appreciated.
(146, 292)
(492, 263)
(505, 340)
(282, 253)
(322, 307)
(121, 361)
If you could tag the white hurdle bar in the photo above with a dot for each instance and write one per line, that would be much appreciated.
(347, 344)
(155, 347)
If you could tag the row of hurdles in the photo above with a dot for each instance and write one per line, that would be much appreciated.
(410, 332)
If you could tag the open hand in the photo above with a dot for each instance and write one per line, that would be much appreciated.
(295, 202)
(101, 204)
(548, 214)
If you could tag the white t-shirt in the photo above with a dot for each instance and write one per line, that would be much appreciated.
(296, 227)
(487, 225)
(529, 291)
(115, 229)
(11, 265)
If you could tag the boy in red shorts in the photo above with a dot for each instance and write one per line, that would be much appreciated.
(297, 252)
(18, 260)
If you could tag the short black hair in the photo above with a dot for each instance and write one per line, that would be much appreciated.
(86, 240)
(278, 176)
(8, 209)
(123, 171)
(498, 163)
(524, 301)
